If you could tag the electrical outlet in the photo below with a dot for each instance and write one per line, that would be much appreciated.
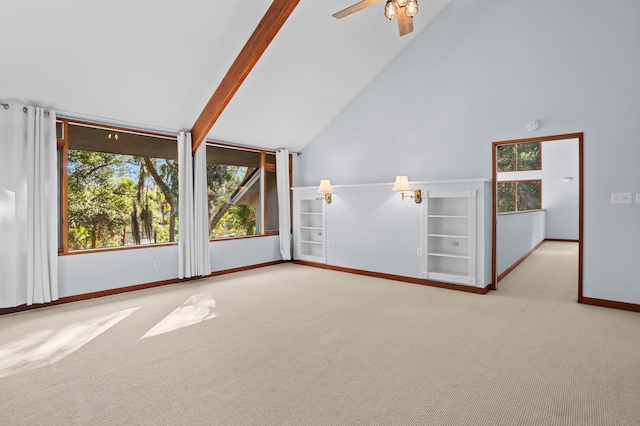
(156, 264)
(419, 251)
(637, 197)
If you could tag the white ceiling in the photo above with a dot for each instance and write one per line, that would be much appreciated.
(156, 63)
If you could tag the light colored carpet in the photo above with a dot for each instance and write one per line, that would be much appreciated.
(294, 345)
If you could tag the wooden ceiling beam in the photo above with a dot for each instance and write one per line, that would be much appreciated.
(276, 16)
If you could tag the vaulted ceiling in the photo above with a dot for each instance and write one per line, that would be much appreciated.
(156, 64)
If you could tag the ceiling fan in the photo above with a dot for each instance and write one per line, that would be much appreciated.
(404, 10)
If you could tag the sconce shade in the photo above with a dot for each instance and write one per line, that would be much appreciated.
(325, 187)
(401, 184)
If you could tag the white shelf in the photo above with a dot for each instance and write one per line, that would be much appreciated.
(452, 273)
(449, 237)
(452, 255)
(450, 276)
(310, 224)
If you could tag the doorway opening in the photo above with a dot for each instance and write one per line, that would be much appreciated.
(538, 232)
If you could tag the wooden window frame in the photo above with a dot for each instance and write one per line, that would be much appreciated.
(63, 145)
(264, 167)
(64, 183)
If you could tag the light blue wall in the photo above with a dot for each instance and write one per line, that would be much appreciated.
(560, 198)
(107, 270)
(477, 74)
(370, 227)
(517, 233)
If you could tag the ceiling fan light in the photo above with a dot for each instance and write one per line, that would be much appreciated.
(390, 9)
(412, 8)
(401, 3)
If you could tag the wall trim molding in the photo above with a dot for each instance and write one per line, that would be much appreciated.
(111, 292)
(561, 240)
(610, 304)
(389, 184)
(402, 278)
(519, 261)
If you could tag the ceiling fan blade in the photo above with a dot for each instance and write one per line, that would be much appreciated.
(405, 23)
(356, 7)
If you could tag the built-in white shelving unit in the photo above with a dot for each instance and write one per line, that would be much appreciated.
(449, 240)
(310, 226)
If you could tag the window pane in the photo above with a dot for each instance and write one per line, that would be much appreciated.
(234, 192)
(117, 197)
(529, 195)
(271, 159)
(272, 202)
(506, 197)
(59, 130)
(529, 156)
(506, 158)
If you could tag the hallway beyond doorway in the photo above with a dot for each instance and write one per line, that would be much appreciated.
(550, 272)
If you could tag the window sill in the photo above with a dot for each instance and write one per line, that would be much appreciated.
(521, 212)
(268, 234)
(109, 249)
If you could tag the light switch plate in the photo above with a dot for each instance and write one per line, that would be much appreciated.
(620, 198)
(637, 197)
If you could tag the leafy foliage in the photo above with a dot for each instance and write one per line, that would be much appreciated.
(506, 197)
(118, 200)
(225, 219)
(529, 157)
(528, 195)
(115, 200)
(99, 199)
(519, 157)
(519, 196)
(506, 158)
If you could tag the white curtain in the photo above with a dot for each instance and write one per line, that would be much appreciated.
(201, 212)
(193, 235)
(284, 202)
(28, 206)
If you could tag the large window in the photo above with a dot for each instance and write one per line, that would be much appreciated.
(242, 192)
(121, 188)
(516, 196)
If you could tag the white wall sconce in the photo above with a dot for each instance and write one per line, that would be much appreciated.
(567, 179)
(402, 185)
(325, 188)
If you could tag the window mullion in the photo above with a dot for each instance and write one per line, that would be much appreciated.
(263, 192)
(64, 179)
